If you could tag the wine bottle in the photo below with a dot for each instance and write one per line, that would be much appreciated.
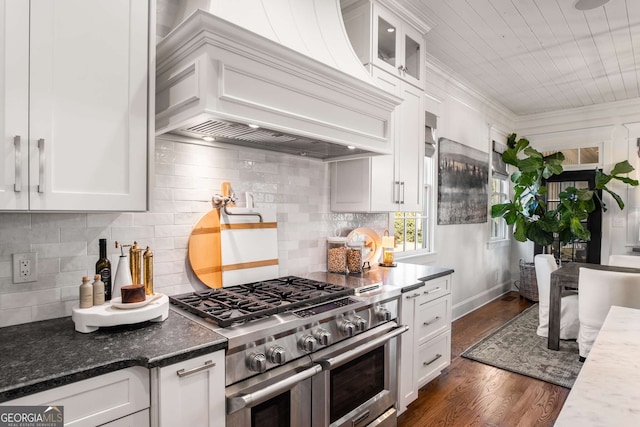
(103, 268)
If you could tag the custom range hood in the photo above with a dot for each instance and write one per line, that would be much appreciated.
(278, 75)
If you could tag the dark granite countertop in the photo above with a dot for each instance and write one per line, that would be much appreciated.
(42, 355)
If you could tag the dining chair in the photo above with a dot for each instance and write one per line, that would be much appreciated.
(545, 264)
(599, 290)
(632, 261)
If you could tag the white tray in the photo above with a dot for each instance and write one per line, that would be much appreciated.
(90, 319)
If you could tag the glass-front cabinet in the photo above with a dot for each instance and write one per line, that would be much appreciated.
(397, 47)
(383, 39)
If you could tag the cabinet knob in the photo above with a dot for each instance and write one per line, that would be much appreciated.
(257, 362)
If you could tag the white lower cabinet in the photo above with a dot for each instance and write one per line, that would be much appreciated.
(425, 349)
(134, 420)
(119, 398)
(189, 393)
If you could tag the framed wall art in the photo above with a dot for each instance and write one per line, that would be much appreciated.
(463, 177)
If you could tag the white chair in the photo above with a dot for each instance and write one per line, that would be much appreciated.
(569, 324)
(598, 291)
(632, 261)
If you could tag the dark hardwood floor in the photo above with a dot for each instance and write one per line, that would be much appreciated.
(469, 393)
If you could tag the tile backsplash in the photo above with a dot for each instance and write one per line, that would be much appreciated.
(185, 179)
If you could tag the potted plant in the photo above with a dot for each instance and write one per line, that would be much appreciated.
(529, 214)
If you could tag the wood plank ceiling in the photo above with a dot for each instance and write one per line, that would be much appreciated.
(536, 56)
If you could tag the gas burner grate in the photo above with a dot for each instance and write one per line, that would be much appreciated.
(240, 303)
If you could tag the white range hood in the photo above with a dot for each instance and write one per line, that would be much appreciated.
(283, 65)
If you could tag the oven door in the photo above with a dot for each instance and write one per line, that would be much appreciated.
(278, 398)
(358, 383)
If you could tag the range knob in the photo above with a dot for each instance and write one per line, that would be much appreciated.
(383, 314)
(257, 362)
(307, 343)
(277, 355)
(361, 323)
(348, 328)
(323, 336)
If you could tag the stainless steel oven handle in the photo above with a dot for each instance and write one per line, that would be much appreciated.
(363, 349)
(235, 403)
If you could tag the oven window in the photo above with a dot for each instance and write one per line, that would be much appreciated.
(274, 412)
(355, 382)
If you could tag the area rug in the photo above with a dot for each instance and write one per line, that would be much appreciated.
(516, 347)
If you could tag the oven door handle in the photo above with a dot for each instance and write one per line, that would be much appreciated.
(362, 349)
(241, 401)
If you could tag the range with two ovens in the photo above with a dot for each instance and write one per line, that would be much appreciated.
(304, 352)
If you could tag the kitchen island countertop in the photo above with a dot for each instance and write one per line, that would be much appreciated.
(42, 355)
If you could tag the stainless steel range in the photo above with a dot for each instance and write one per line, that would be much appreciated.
(303, 352)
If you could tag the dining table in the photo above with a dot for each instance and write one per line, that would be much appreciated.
(566, 277)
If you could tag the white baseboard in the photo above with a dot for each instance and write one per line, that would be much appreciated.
(477, 301)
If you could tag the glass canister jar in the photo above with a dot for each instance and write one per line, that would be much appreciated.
(354, 256)
(337, 255)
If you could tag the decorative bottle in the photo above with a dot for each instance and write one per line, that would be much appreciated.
(86, 293)
(147, 261)
(98, 290)
(103, 268)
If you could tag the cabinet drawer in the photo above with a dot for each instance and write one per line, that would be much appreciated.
(435, 289)
(432, 318)
(96, 400)
(139, 419)
(432, 357)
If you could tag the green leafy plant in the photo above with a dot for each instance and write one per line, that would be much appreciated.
(528, 212)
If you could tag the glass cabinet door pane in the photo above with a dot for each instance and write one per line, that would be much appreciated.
(386, 42)
(412, 57)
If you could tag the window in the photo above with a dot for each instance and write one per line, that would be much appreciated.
(499, 194)
(413, 231)
(499, 189)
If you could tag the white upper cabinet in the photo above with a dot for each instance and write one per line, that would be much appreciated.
(381, 38)
(14, 107)
(83, 90)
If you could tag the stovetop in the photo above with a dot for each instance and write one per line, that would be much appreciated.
(241, 303)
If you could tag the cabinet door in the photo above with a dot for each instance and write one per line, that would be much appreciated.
(191, 393)
(385, 187)
(88, 104)
(409, 148)
(14, 104)
(386, 39)
(407, 385)
(413, 54)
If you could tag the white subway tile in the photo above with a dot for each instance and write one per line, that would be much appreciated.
(58, 220)
(15, 316)
(29, 299)
(127, 235)
(56, 250)
(6, 269)
(148, 218)
(15, 220)
(109, 219)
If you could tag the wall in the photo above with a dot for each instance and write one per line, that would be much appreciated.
(482, 270)
(186, 177)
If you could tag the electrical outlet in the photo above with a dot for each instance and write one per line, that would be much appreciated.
(25, 267)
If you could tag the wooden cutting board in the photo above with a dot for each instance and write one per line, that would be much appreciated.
(226, 250)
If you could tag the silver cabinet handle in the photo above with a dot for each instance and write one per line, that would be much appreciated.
(431, 322)
(235, 403)
(438, 356)
(17, 186)
(183, 373)
(402, 186)
(41, 167)
(432, 290)
(396, 192)
(413, 296)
